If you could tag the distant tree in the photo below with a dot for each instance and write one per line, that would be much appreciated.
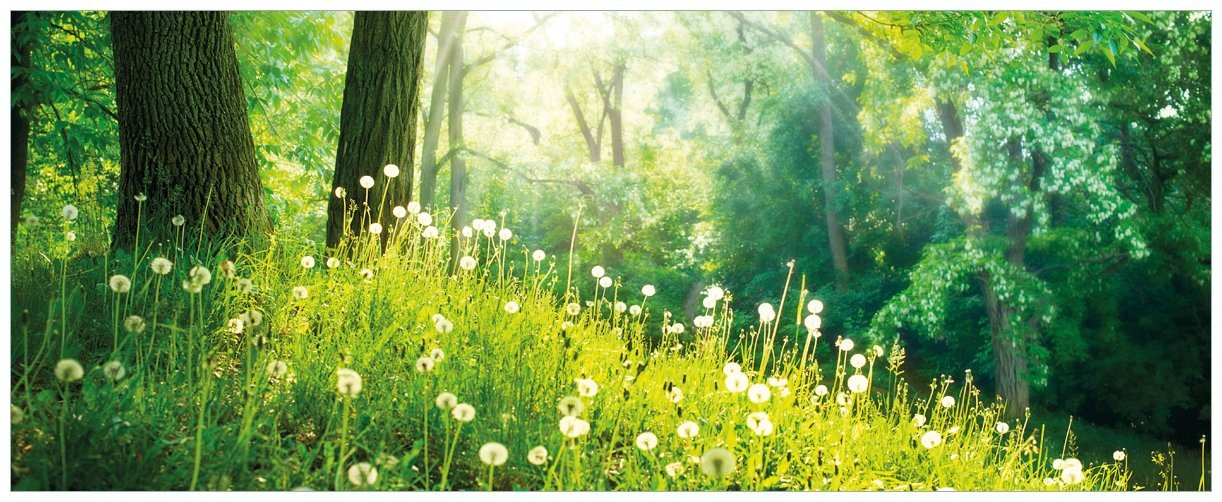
(377, 119)
(447, 36)
(183, 132)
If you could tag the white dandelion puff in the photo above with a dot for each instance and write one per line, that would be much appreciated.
(737, 382)
(70, 212)
(446, 401)
(120, 283)
(857, 361)
(646, 441)
(717, 462)
(300, 292)
(537, 455)
(538, 255)
(466, 263)
(586, 387)
(391, 171)
(858, 383)
(399, 211)
(463, 412)
(598, 272)
(161, 266)
(68, 370)
(307, 261)
(114, 371)
(687, 430)
(348, 382)
(948, 401)
(493, 454)
(511, 307)
(366, 182)
(758, 393)
(766, 312)
(931, 439)
(648, 290)
(362, 474)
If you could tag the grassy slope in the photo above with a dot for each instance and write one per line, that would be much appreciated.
(198, 408)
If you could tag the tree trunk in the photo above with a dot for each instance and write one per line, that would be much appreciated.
(20, 117)
(184, 137)
(827, 155)
(377, 120)
(592, 144)
(615, 114)
(458, 162)
(437, 101)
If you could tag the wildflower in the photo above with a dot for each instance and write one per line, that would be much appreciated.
(200, 274)
(71, 236)
(1118, 456)
(948, 401)
(758, 393)
(674, 469)
(192, 286)
(466, 263)
(737, 382)
(1058, 464)
(134, 324)
(858, 383)
(857, 361)
(878, 351)
(430, 232)
(332, 262)
(252, 317)
(362, 474)
(375, 228)
(506, 234)
(952, 430)
(424, 219)
(763, 428)
(688, 430)
(114, 371)
(1073, 463)
(646, 441)
(511, 307)
(648, 290)
(489, 230)
(31, 220)
(398, 211)
(755, 418)
(70, 212)
(307, 261)
(463, 412)
(348, 382)
(537, 455)
(366, 273)
(391, 171)
(573, 427)
(161, 266)
(244, 285)
(467, 232)
(443, 326)
(717, 462)
(571, 406)
(538, 255)
(366, 182)
(572, 308)
(493, 454)
(815, 306)
(634, 310)
(17, 415)
(731, 368)
(931, 439)
(675, 394)
(425, 364)
(846, 345)
(677, 328)
(918, 420)
(235, 325)
(437, 354)
(413, 207)
(340, 192)
(716, 293)
(708, 302)
(120, 283)
(767, 313)
(820, 390)
(1072, 475)
(178, 220)
(68, 371)
(812, 322)
(300, 292)
(1003, 427)
(605, 282)
(140, 197)
(586, 387)
(277, 369)
(598, 272)
(228, 269)
(446, 401)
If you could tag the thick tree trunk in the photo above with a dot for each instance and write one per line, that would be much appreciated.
(437, 101)
(458, 163)
(184, 137)
(827, 155)
(377, 120)
(20, 133)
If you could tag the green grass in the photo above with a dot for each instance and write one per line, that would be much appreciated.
(203, 404)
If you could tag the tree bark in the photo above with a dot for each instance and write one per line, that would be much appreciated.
(614, 106)
(377, 120)
(20, 117)
(437, 105)
(827, 155)
(592, 144)
(184, 136)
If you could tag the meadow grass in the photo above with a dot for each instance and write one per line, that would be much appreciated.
(416, 358)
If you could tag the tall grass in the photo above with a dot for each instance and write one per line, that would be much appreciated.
(384, 364)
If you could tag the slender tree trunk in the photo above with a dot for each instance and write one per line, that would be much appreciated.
(21, 112)
(458, 161)
(592, 144)
(377, 120)
(615, 114)
(184, 136)
(827, 155)
(437, 101)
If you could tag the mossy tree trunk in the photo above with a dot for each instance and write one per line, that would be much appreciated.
(184, 136)
(21, 112)
(378, 119)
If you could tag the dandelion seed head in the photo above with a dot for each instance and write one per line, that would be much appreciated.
(821, 390)
(812, 322)
(634, 310)
(375, 228)
(648, 290)
(119, 283)
(674, 469)
(200, 274)
(598, 272)
(511, 307)
(948, 401)
(332, 262)
(708, 302)
(586, 387)
(425, 364)
(466, 263)
(846, 345)
(537, 455)
(1002, 428)
(758, 393)
(687, 430)
(235, 325)
(68, 370)
(366, 182)
(70, 212)
(430, 232)
(1118, 456)
(114, 371)
(931, 439)
(715, 293)
(391, 171)
(766, 312)
(307, 262)
(570, 406)
(538, 255)
(300, 292)
(134, 324)
(178, 220)
(717, 462)
(277, 369)
(348, 382)
(362, 474)
(737, 382)
(463, 412)
(161, 266)
(505, 234)
(446, 401)
(815, 307)
(424, 219)
(605, 282)
(413, 207)
(17, 415)
(244, 285)
(493, 454)
(573, 308)
(340, 192)
(858, 383)
(918, 420)
(646, 441)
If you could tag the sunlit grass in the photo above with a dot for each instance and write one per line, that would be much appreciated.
(419, 357)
